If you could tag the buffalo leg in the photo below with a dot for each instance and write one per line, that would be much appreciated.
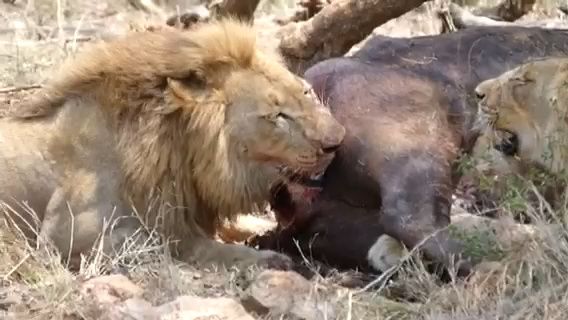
(416, 201)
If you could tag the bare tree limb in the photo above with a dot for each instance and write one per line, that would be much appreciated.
(336, 28)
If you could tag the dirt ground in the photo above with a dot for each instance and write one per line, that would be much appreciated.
(36, 36)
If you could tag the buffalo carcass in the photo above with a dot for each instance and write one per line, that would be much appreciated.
(408, 105)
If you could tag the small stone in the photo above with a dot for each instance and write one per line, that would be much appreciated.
(110, 289)
(287, 292)
(11, 296)
(133, 309)
(192, 307)
(10, 299)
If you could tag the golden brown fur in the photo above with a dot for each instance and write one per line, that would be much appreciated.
(188, 128)
(531, 102)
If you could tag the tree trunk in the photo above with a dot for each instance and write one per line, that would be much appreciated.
(241, 9)
(335, 29)
(331, 32)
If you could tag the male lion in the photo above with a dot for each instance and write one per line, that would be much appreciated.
(528, 103)
(186, 128)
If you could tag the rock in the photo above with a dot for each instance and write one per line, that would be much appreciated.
(182, 308)
(192, 307)
(111, 289)
(118, 298)
(508, 234)
(133, 309)
(9, 297)
(287, 292)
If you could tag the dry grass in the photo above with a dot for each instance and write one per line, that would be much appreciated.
(528, 284)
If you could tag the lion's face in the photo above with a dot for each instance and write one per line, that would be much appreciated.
(276, 120)
(526, 104)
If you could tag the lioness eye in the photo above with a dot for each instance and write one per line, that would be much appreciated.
(283, 116)
(282, 121)
(522, 80)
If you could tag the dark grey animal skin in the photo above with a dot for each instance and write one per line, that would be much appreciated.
(408, 106)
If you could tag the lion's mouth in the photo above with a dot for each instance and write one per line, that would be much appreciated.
(292, 199)
(310, 180)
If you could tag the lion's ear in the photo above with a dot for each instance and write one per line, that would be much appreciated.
(178, 89)
(185, 90)
(192, 82)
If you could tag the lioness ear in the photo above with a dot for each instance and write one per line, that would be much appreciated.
(563, 66)
(526, 73)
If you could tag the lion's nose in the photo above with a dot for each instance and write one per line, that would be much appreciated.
(334, 139)
(479, 94)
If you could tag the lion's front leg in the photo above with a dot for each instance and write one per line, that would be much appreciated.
(207, 252)
(75, 218)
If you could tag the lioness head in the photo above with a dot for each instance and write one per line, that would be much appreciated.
(528, 105)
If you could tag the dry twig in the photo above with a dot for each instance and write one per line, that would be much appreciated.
(20, 88)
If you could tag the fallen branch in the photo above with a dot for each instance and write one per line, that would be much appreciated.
(464, 19)
(78, 39)
(335, 29)
(18, 89)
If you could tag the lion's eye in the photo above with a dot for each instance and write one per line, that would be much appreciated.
(278, 117)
